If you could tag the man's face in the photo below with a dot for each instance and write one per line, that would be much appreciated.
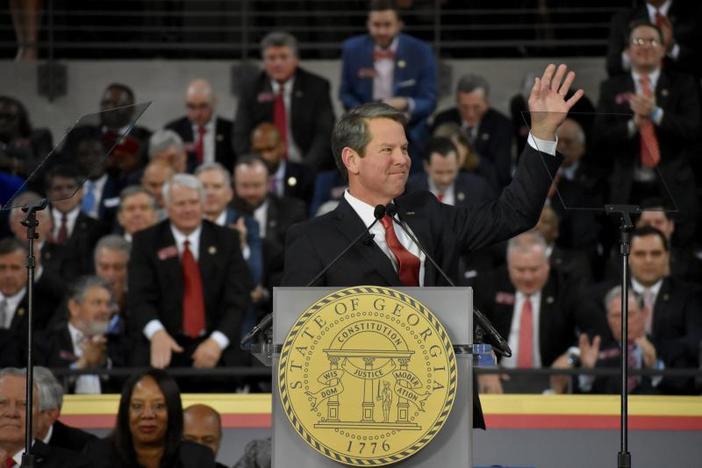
(202, 429)
(137, 211)
(472, 106)
(199, 108)
(218, 193)
(645, 49)
(13, 274)
(184, 208)
(116, 97)
(528, 270)
(251, 184)
(658, 220)
(89, 154)
(60, 190)
(12, 411)
(43, 229)
(635, 323)
(383, 26)
(92, 315)
(280, 63)
(111, 266)
(570, 142)
(442, 170)
(155, 175)
(269, 146)
(381, 174)
(9, 120)
(648, 259)
(174, 157)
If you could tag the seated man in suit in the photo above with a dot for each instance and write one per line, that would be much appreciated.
(188, 285)
(48, 428)
(488, 130)
(155, 175)
(287, 178)
(390, 66)
(202, 424)
(207, 137)
(138, 210)
(296, 101)
(12, 427)
(166, 146)
(111, 259)
(84, 341)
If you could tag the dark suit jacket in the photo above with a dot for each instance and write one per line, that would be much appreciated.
(156, 280)
(102, 454)
(298, 182)
(493, 140)
(685, 18)
(610, 358)
(311, 116)
(445, 231)
(69, 438)
(678, 96)
(46, 456)
(468, 188)
(224, 154)
(282, 213)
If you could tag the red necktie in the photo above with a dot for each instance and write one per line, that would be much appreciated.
(383, 54)
(660, 19)
(280, 117)
(9, 463)
(193, 299)
(650, 151)
(408, 268)
(63, 230)
(200, 144)
(525, 354)
(440, 197)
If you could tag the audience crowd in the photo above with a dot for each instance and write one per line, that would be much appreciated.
(161, 247)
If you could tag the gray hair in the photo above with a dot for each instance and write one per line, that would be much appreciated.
(472, 82)
(215, 166)
(525, 242)
(83, 284)
(279, 39)
(182, 180)
(161, 140)
(616, 293)
(22, 374)
(132, 190)
(352, 129)
(112, 242)
(50, 390)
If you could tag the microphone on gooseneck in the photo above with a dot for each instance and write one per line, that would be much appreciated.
(378, 214)
(500, 343)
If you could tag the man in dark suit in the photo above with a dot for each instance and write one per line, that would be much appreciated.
(207, 137)
(371, 150)
(679, 21)
(48, 428)
(296, 101)
(488, 130)
(202, 263)
(651, 149)
(12, 427)
(389, 66)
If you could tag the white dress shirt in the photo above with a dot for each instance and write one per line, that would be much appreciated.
(449, 195)
(511, 362)
(71, 217)
(384, 74)
(208, 140)
(642, 291)
(11, 304)
(261, 216)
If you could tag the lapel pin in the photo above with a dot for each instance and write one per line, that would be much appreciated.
(298, 94)
(212, 250)
(292, 181)
(485, 136)
(461, 196)
(401, 64)
(550, 300)
(20, 312)
(410, 213)
(666, 297)
(220, 137)
(664, 92)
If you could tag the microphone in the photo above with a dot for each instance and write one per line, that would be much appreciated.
(263, 325)
(500, 343)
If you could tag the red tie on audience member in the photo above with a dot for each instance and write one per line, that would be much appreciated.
(9, 463)
(280, 118)
(660, 19)
(525, 353)
(650, 151)
(62, 234)
(408, 263)
(193, 298)
(440, 197)
(200, 144)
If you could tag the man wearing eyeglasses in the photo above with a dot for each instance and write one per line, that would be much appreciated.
(652, 148)
(207, 137)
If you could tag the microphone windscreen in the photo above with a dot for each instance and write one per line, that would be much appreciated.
(379, 212)
(391, 210)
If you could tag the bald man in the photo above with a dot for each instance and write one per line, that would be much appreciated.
(288, 178)
(207, 136)
(203, 425)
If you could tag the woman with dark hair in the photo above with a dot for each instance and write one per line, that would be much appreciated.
(149, 430)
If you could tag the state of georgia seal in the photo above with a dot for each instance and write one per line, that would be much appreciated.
(367, 376)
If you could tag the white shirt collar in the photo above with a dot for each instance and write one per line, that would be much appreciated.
(71, 217)
(76, 337)
(653, 76)
(640, 288)
(365, 211)
(222, 218)
(663, 9)
(193, 238)
(49, 433)
(287, 86)
(393, 45)
(209, 126)
(12, 304)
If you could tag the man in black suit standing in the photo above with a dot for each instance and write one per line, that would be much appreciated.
(188, 284)
(652, 150)
(207, 137)
(489, 131)
(296, 101)
(370, 147)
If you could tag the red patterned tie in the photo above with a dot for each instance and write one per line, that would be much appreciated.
(525, 354)
(440, 197)
(408, 268)
(650, 151)
(200, 144)
(63, 230)
(193, 298)
(280, 118)
(660, 19)
(9, 463)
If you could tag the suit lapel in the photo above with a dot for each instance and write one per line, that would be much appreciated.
(546, 316)
(660, 307)
(170, 263)
(207, 254)
(18, 320)
(366, 63)
(662, 90)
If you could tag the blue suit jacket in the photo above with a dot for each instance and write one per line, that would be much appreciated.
(414, 77)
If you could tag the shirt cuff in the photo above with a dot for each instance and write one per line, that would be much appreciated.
(246, 252)
(410, 105)
(152, 327)
(544, 146)
(585, 382)
(657, 115)
(221, 339)
(674, 52)
(631, 128)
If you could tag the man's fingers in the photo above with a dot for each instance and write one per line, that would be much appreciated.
(583, 341)
(596, 342)
(547, 76)
(176, 347)
(558, 78)
(575, 98)
(565, 86)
